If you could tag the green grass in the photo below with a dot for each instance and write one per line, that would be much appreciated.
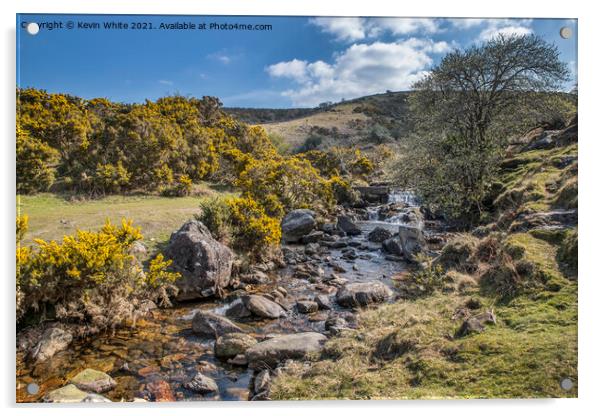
(531, 349)
(51, 216)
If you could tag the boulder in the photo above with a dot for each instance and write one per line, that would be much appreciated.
(231, 345)
(262, 307)
(93, 381)
(346, 224)
(200, 383)
(379, 234)
(53, 340)
(296, 224)
(375, 194)
(322, 302)
(313, 237)
(238, 310)
(204, 263)
(213, 325)
(393, 246)
(412, 240)
(307, 306)
(283, 347)
(363, 293)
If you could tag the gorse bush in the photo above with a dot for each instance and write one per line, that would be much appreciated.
(35, 163)
(253, 230)
(96, 146)
(241, 222)
(89, 278)
(283, 184)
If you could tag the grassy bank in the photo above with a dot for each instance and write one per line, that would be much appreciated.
(52, 216)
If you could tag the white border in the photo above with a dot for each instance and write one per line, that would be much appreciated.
(590, 158)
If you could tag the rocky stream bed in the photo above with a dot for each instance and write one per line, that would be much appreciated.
(274, 313)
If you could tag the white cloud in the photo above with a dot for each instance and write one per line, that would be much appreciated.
(295, 69)
(222, 57)
(344, 28)
(403, 26)
(356, 28)
(361, 69)
(506, 27)
(165, 82)
(466, 23)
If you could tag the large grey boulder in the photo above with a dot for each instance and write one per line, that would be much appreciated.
(213, 325)
(297, 223)
(363, 293)
(53, 340)
(204, 263)
(262, 307)
(346, 225)
(412, 240)
(293, 346)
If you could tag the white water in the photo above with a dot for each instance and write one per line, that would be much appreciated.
(407, 197)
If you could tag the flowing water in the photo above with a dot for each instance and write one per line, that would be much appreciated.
(163, 346)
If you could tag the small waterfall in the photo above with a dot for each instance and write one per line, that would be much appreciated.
(407, 197)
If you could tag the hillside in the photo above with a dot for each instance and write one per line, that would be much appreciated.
(361, 122)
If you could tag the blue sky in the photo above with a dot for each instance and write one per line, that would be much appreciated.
(300, 62)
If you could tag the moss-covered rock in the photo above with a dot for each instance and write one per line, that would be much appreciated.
(93, 381)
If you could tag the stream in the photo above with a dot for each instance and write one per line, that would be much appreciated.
(162, 346)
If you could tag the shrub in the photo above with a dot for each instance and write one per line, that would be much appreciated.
(184, 186)
(253, 230)
(311, 142)
(21, 227)
(35, 163)
(215, 214)
(89, 278)
(427, 279)
(457, 253)
(283, 184)
(342, 191)
(111, 178)
(244, 221)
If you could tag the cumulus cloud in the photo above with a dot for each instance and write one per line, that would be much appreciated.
(343, 28)
(466, 23)
(508, 27)
(361, 69)
(490, 28)
(352, 29)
